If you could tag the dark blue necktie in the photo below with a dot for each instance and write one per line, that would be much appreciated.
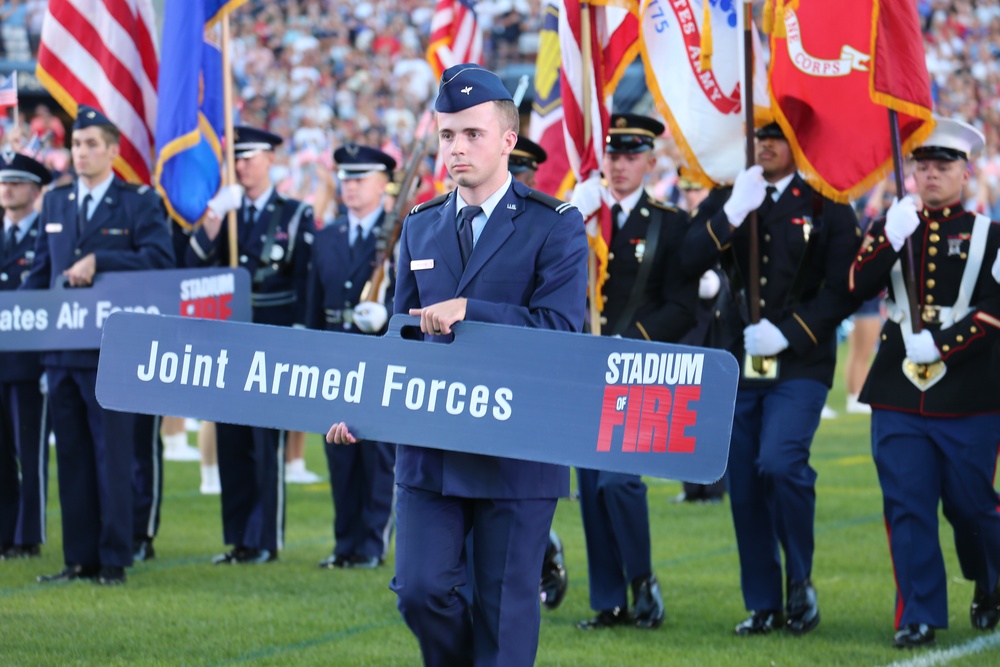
(9, 241)
(84, 214)
(465, 238)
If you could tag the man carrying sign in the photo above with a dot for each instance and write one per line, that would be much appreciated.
(97, 223)
(24, 457)
(492, 251)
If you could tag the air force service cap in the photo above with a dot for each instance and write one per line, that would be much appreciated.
(468, 85)
(89, 117)
(526, 155)
(354, 161)
(249, 141)
(632, 133)
(951, 140)
(17, 168)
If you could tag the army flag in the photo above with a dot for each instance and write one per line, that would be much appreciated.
(693, 54)
(554, 176)
(102, 53)
(191, 125)
(836, 70)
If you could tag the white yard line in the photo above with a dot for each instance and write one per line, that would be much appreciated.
(945, 656)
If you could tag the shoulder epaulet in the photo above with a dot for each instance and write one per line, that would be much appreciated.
(437, 201)
(665, 206)
(557, 205)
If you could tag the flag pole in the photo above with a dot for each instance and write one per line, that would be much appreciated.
(907, 257)
(229, 178)
(588, 92)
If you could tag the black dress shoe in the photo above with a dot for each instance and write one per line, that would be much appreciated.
(21, 551)
(802, 608)
(142, 550)
(251, 556)
(365, 562)
(555, 579)
(647, 606)
(914, 635)
(608, 618)
(228, 558)
(985, 609)
(335, 561)
(111, 575)
(760, 623)
(70, 573)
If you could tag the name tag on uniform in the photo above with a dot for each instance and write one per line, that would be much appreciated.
(53, 227)
(421, 264)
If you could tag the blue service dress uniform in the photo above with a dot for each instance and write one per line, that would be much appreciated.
(24, 451)
(528, 268)
(806, 246)
(361, 477)
(614, 505)
(95, 447)
(938, 445)
(275, 248)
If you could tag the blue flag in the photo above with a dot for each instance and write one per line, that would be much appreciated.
(190, 122)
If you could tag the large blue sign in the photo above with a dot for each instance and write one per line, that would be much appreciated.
(72, 318)
(604, 403)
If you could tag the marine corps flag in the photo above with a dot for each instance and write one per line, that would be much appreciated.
(836, 69)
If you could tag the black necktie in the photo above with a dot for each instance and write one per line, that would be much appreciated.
(83, 214)
(252, 214)
(9, 241)
(616, 211)
(765, 208)
(465, 237)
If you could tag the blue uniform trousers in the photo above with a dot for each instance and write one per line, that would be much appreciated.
(147, 476)
(616, 525)
(94, 450)
(252, 473)
(362, 480)
(772, 486)
(922, 461)
(509, 538)
(24, 464)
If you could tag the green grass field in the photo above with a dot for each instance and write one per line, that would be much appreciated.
(180, 610)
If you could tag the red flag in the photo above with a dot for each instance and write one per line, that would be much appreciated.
(554, 176)
(102, 53)
(836, 68)
(586, 86)
(456, 37)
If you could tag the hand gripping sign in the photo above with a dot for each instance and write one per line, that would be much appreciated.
(604, 403)
(67, 318)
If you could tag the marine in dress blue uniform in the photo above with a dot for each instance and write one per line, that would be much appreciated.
(274, 245)
(935, 438)
(343, 259)
(526, 268)
(97, 223)
(24, 452)
(806, 245)
(647, 295)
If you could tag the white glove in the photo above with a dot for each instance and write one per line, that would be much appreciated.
(996, 267)
(228, 198)
(587, 196)
(370, 317)
(900, 222)
(748, 194)
(920, 348)
(764, 339)
(709, 285)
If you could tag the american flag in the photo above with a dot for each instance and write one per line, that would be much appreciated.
(8, 90)
(455, 35)
(102, 53)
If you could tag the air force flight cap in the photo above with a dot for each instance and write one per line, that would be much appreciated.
(355, 161)
(468, 85)
(632, 133)
(951, 140)
(526, 155)
(89, 117)
(249, 141)
(17, 168)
